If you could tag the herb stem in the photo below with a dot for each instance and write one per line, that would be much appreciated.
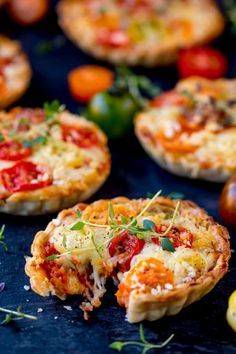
(16, 313)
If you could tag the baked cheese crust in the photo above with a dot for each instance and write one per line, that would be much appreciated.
(48, 163)
(15, 71)
(153, 281)
(136, 32)
(191, 131)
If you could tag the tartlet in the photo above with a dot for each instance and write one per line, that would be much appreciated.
(177, 255)
(49, 160)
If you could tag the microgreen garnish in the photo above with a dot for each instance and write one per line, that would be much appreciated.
(115, 227)
(230, 11)
(136, 85)
(143, 343)
(46, 47)
(41, 139)
(15, 315)
(176, 195)
(1, 138)
(2, 237)
(52, 109)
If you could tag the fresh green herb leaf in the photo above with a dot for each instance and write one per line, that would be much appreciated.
(15, 315)
(53, 257)
(78, 214)
(2, 237)
(166, 244)
(47, 47)
(143, 343)
(230, 11)
(1, 138)
(64, 240)
(71, 264)
(123, 219)
(111, 212)
(52, 109)
(176, 195)
(78, 226)
(38, 140)
(148, 224)
(117, 346)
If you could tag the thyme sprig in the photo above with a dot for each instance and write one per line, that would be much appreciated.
(115, 227)
(2, 237)
(15, 315)
(143, 343)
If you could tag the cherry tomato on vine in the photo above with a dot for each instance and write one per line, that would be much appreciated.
(202, 61)
(227, 203)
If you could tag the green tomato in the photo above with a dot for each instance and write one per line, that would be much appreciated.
(114, 114)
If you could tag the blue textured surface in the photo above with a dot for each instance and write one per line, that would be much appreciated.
(200, 328)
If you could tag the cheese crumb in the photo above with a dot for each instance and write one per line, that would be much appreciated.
(40, 309)
(68, 308)
(26, 287)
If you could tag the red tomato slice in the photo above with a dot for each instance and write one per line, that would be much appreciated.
(81, 136)
(202, 61)
(114, 39)
(24, 176)
(169, 98)
(179, 236)
(13, 151)
(126, 245)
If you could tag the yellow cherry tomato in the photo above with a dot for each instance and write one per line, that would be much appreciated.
(231, 311)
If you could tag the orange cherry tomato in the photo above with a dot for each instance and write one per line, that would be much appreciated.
(202, 61)
(27, 12)
(88, 80)
(227, 203)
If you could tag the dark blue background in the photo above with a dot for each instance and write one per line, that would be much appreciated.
(200, 328)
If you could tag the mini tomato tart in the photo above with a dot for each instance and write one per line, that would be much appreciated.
(50, 159)
(15, 71)
(191, 130)
(146, 32)
(163, 254)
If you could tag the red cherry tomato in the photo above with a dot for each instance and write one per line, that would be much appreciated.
(24, 176)
(202, 61)
(227, 203)
(13, 151)
(179, 236)
(81, 136)
(127, 246)
(169, 98)
(35, 115)
(113, 39)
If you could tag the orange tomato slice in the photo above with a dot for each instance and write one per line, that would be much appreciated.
(149, 272)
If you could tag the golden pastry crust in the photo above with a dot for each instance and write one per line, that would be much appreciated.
(15, 71)
(198, 262)
(75, 170)
(147, 35)
(192, 130)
